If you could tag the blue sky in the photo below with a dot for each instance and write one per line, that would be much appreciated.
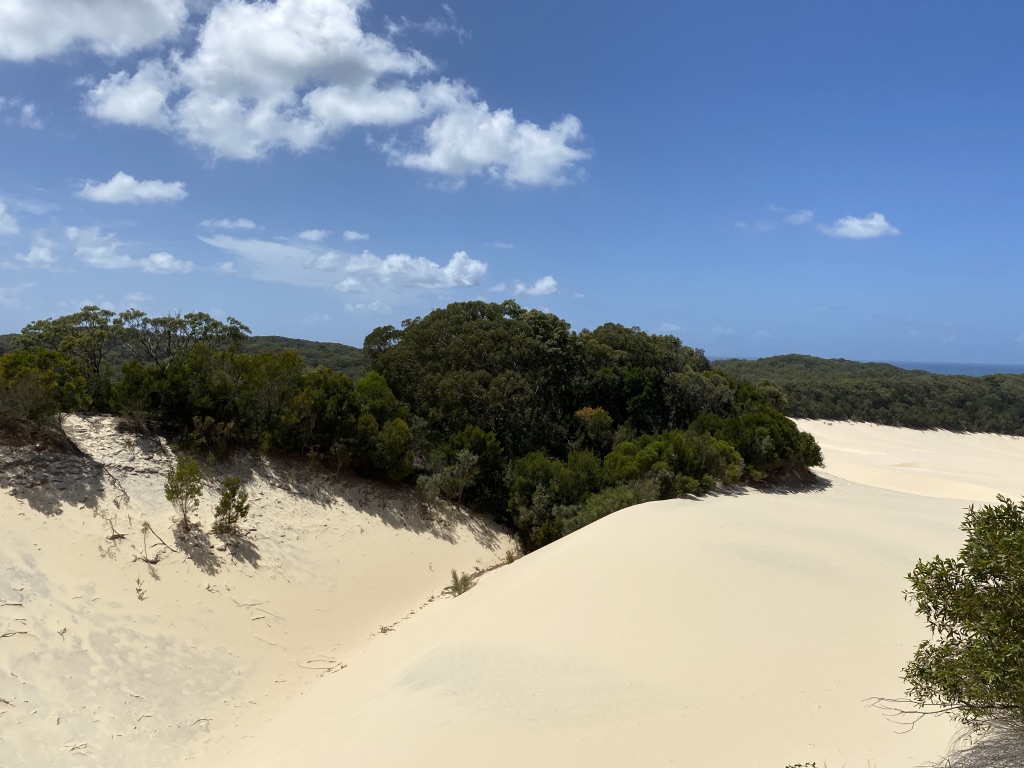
(839, 179)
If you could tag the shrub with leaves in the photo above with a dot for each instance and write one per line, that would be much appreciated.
(461, 582)
(973, 665)
(232, 507)
(184, 487)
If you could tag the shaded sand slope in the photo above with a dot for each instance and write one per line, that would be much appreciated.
(741, 631)
(110, 661)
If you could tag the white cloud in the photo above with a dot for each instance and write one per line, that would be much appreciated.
(229, 223)
(350, 285)
(18, 112)
(32, 29)
(401, 268)
(498, 288)
(351, 234)
(669, 328)
(40, 255)
(314, 235)
(796, 218)
(123, 188)
(872, 225)
(294, 73)
(469, 139)
(164, 264)
(105, 251)
(8, 224)
(309, 266)
(499, 244)
(542, 287)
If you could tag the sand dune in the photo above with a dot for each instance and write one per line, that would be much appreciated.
(741, 630)
(222, 637)
(745, 630)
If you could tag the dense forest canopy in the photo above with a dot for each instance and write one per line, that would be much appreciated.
(493, 405)
(815, 388)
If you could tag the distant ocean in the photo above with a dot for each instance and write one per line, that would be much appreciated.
(960, 369)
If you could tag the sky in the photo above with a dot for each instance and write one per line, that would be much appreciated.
(830, 178)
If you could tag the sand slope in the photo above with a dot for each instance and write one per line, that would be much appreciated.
(742, 630)
(224, 635)
(738, 631)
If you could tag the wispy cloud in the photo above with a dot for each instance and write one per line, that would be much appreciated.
(229, 223)
(310, 265)
(351, 235)
(499, 244)
(123, 188)
(18, 112)
(871, 226)
(313, 235)
(8, 224)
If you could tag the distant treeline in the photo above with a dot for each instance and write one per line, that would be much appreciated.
(493, 405)
(815, 388)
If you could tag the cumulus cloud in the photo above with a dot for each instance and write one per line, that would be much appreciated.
(314, 235)
(872, 225)
(351, 234)
(40, 255)
(105, 251)
(32, 29)
(229, 223)
(542, 287)
(309, 266)
(401, 268)
(294, 73)
(8, 224)
(164, 264)
(123, 188)
(470, 139)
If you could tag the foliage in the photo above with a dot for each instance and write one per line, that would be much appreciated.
(36, 388)
(337, 358)
(461, 582)
(973, 666)
(815, 388)
(492, 406)
(184, 487)
(232, 508)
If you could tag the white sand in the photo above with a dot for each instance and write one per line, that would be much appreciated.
(741, 630)
(219, 643)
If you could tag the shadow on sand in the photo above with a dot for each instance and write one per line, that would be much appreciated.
(49, 477)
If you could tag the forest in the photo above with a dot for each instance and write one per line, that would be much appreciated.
(493, 406)
(816, 388)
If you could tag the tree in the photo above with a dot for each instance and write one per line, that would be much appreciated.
(232, 507)
(184, 487)
(37, 387)
(973, 665)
